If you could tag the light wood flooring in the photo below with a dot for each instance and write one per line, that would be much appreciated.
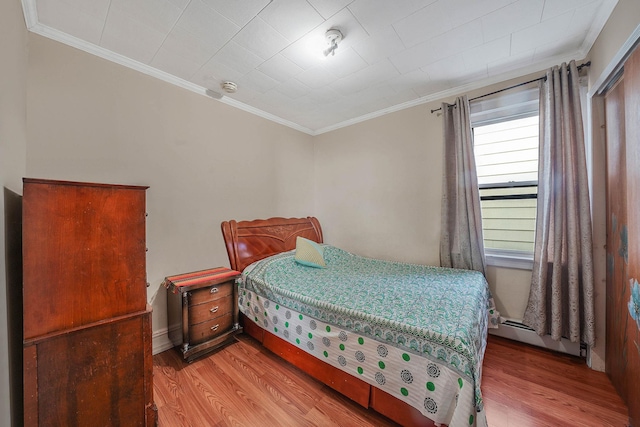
(247, 385)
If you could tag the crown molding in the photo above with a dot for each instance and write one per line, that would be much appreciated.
(30, 12)
(458, 90)
(98, 51)
(616, 64)
(598, 24)
(31, 20)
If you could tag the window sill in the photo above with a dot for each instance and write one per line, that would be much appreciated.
(509, 259)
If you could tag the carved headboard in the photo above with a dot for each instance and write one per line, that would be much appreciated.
(250, 241)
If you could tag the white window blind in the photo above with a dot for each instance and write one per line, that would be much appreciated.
(506, 151)
(507, 165)
(509, 105)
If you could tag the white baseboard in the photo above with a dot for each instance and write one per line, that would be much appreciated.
(524, 334)
(161, 341)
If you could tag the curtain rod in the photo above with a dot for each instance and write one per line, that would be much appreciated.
(580, 67)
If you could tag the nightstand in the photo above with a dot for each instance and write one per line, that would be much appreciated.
(203, 310)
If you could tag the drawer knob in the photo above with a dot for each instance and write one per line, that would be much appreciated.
(214, 290)
(214, 309)
(215, 328)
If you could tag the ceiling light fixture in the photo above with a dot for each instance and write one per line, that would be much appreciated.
(333, 36)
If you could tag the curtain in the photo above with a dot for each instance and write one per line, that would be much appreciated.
(561, 300)
(461, 244)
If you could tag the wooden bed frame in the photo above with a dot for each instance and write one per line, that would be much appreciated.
(250, 241)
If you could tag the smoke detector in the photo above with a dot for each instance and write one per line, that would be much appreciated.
(229, 87)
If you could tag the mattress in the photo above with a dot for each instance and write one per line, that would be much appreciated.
(414, 331)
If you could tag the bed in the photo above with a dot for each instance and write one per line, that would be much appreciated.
(405, 340)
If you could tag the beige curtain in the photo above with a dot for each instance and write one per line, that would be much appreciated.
(561, 300)
(461, 244)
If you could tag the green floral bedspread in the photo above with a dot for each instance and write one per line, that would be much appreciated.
(438, 313)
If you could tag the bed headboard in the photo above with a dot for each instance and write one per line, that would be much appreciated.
(250, 241)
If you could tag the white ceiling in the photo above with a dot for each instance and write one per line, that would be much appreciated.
(394, 54)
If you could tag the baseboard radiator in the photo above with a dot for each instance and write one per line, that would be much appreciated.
(515, 330)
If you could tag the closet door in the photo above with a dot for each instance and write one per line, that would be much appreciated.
(617, 279)
(622, 110)
(632, 130)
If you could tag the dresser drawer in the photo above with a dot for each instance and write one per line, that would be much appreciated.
(211, 293)
(210, 310)
(206, 330)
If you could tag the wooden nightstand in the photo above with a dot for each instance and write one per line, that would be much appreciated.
(208, 315)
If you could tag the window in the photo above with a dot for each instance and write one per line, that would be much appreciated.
(506, 153)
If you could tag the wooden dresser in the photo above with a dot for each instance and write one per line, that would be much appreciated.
(208, 314)
(87, 324)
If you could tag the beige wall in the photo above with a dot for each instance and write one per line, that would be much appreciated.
(378, 191)
(510, 289)
(205, 162)
(378, 186)
(13, 143)
(375, 185)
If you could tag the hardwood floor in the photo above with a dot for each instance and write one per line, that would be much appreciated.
(247, 385)
(525, 386)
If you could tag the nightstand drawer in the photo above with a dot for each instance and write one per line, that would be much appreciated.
(211, 293)
(210, 329)
(210, 310)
